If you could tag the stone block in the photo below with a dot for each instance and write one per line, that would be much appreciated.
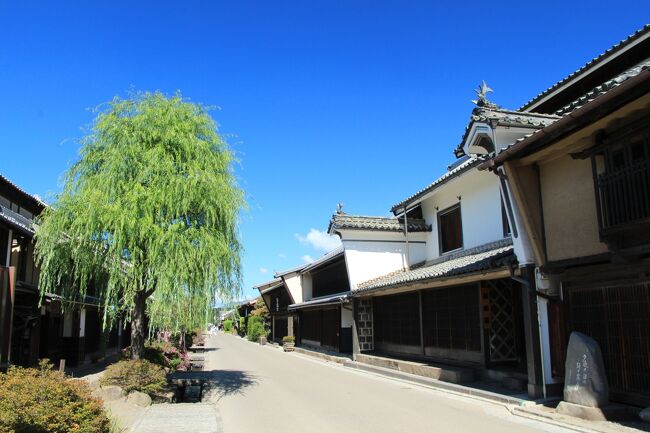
(579, 411)
(645, 414)
(109, 393)
(585, 381)
(139, 399)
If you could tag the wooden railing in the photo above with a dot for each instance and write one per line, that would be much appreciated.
(624, 196)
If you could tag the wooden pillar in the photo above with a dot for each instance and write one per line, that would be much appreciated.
(290, 326)
(7, 276)
(421, 323)
(531, 333)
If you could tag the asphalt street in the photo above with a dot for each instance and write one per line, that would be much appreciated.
(263, 389)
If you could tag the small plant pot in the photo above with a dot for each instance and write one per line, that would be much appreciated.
(262, 341)
(288, 346)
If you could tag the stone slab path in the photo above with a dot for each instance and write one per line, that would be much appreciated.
(180, 418)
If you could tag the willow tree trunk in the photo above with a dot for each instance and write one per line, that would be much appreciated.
(138, 326)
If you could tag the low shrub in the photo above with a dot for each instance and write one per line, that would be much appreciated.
(242, 325)
(162, 353)
(152, 353)
(256, 328)
(227, 325)
(288, 339)
(135, 375)
(43, 400)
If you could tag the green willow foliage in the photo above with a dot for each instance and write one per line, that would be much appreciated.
(150, 208)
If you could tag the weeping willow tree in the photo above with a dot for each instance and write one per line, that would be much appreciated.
(148, 216)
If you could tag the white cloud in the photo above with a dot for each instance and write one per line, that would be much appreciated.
(320, 241)
(282, 255)
(263, 270)
(307, 258)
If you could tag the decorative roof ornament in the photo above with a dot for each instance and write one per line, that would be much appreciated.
(339, 209)
(481, 93)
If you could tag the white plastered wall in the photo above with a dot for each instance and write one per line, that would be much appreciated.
(294, 284)
(370, 254)
(480, 207)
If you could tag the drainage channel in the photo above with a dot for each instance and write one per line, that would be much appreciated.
(189, 384)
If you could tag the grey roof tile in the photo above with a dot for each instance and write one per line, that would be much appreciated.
(485, 257)
(613, 50)
(450, 174)
(391, 224)
(22, 191)
(16, 220)
(590, 96)
(335, 253)
(502, 117)
(604, 88)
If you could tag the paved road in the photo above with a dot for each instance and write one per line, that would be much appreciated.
(266, 390)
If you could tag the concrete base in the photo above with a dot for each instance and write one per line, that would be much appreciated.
(583, 412)
(609, 412)
(325, 356)
(435, 383)
(444, 373)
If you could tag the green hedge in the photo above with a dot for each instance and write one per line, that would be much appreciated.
(227, 325)
(256, 328)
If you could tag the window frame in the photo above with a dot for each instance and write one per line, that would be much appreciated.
(442, 213)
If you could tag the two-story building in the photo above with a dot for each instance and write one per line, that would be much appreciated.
(32, 326)
(581, 188)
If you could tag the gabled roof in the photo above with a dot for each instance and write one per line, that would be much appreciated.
(501, 117)
(604, 88)
(332, 255)
(587, 104)
(452, 173)
(592, 65)
(341, 221)
(268, 283)
(34, 199)
(290, 270)
(486, 257)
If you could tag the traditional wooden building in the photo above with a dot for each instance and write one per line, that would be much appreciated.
(325, 314)
(438, 282)
(35, 327)
(277, 298)
(580, 187)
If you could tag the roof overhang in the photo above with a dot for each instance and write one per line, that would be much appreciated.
(340, 298)
(434, 283)
(326, 259)
(628, 91)
(623, 48)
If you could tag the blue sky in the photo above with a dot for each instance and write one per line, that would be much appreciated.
(359, 102)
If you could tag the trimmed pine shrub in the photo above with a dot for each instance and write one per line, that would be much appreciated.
(43, 400)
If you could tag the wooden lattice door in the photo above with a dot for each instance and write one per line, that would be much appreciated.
(499, 320)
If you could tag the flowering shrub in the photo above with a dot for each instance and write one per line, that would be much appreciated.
(163, 353)
(41, 400)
